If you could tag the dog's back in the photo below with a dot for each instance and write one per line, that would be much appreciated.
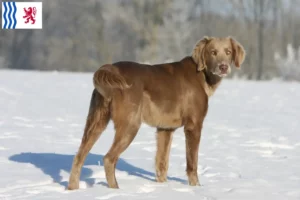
(164, 93)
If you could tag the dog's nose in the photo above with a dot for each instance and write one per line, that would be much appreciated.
(223, 68)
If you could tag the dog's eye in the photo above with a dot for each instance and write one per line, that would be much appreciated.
(214, 53)
(228, 52)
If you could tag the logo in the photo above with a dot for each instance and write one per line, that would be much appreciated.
(30, 14)
(22, 15)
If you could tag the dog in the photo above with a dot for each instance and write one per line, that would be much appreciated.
(166, 96)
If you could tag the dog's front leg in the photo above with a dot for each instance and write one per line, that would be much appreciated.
(192, 139)
(164, 140)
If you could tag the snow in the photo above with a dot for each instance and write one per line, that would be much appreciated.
(250, 147)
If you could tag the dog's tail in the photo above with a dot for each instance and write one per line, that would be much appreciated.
(106, 78)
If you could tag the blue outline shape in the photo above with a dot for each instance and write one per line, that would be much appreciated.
(14, 15)
(9, 15)
(4, 15)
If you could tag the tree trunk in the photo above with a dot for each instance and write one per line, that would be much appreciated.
(260, 34)
(21, 50)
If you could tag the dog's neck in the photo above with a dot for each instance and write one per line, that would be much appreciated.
(211, 83)
(208, 79)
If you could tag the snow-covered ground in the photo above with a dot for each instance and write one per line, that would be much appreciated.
(250, 148)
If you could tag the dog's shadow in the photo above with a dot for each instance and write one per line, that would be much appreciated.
(52, 164)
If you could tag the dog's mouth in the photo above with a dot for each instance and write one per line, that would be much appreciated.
(223, 74)
(220, 73)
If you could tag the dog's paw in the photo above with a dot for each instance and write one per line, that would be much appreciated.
(73, 186)
(194, 182)
(113, 186)
(161, 179)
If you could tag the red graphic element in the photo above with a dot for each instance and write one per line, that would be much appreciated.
(30, 14)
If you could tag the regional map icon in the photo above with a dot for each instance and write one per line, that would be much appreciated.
(22, 15)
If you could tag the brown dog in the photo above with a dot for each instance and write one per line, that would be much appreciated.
(166, 96)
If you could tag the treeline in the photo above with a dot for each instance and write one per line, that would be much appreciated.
(83, 35)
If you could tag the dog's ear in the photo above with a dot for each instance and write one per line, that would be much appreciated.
(198, 53)
(238, 53)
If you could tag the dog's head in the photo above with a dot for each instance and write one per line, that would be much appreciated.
(216, 55)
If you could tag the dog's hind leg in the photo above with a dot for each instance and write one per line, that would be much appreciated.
(124, 136)
(97, 120)
(164, 140)
(127, 123)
